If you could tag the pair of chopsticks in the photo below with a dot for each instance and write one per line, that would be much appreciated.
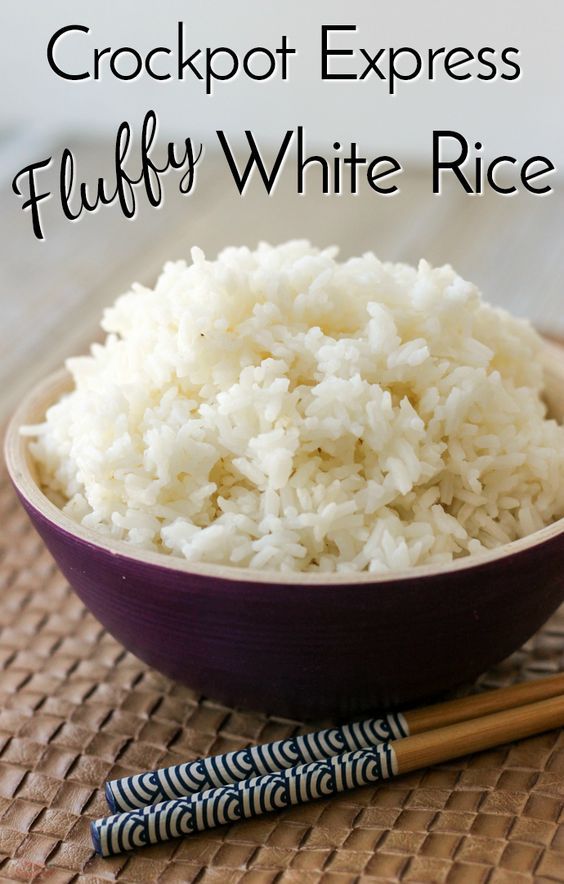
(153, 807)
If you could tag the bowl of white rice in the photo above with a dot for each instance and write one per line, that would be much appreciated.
(302, 484)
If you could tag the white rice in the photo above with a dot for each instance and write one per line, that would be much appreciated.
(277, 409)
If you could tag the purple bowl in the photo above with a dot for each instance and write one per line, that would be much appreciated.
(302, 645)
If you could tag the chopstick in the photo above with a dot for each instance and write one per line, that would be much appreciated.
(297, 785)
(181, 780)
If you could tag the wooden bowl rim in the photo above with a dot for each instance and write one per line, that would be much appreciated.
(17, 460)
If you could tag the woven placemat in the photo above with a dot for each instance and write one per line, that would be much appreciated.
(76, 708)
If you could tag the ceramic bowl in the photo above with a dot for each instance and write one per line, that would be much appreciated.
(303, 645)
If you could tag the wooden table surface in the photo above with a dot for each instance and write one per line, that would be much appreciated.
(52, 292)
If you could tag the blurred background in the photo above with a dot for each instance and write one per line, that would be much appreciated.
(52, 292)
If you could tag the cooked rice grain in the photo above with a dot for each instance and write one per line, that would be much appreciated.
(277, 409)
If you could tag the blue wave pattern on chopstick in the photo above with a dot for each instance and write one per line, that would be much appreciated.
(227, 804)
(179, 781)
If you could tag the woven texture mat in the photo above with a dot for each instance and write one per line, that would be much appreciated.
(76, 709)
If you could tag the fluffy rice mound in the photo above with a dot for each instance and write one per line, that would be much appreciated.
(278, 409)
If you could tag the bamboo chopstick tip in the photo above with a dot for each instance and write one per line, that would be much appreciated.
(110, 798)
(95, 835)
